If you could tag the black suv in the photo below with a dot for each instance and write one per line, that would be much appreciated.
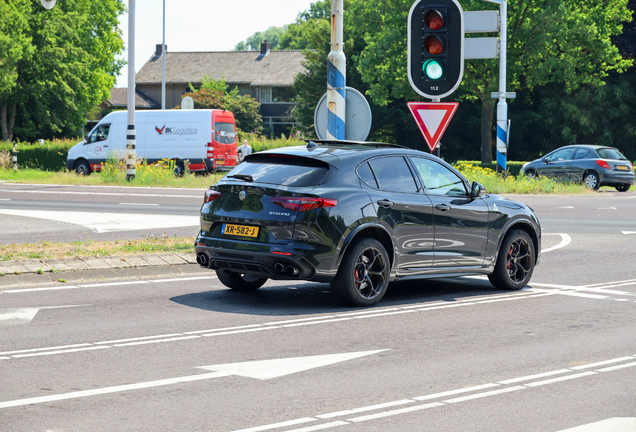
(359, 215)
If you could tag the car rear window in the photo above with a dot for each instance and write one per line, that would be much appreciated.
(283, 170)
(610, 153)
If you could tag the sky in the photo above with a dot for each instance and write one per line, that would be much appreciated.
(202, 25)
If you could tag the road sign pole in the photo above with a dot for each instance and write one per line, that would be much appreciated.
(502, 106)
(336, 75)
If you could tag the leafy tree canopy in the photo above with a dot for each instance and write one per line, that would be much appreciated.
(215, 94)
(253, 43)
(66, 64)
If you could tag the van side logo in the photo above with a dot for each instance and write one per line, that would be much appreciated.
(176, 130)
(160, 131)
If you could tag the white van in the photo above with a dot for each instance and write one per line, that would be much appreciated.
(207, 138)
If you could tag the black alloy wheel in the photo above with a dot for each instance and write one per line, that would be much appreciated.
(363, 275)
(515, 262)
(623, 188)
(531, 174)
(240, 282)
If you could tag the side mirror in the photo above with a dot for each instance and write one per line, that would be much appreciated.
(86, 138)
(477, 190)
(546, 161)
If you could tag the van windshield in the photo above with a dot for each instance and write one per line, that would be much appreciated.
(224, 133)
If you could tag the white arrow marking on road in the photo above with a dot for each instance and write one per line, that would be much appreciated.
(612, 424)
(110, 222)
(264, 369)
(268, 369)
(628, 232)
(24, 315)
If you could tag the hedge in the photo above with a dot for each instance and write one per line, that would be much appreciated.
(50, 156)
(512, 166)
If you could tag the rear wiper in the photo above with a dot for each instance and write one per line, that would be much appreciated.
(245, 177)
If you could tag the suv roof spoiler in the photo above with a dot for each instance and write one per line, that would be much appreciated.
(346, 142)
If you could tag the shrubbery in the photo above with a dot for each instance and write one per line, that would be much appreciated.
(51, 156)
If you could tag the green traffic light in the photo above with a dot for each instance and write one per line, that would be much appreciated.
(432, 69)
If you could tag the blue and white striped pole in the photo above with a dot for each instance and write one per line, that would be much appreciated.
(336, 75)
(502, 106)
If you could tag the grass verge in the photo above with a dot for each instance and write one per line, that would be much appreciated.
(91, 248)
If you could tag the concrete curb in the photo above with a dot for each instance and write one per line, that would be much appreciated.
(93, 263)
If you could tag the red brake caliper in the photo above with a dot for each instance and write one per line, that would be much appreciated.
(509, 258)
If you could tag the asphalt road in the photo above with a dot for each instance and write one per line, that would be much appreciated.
(35, 213)
(182, 353)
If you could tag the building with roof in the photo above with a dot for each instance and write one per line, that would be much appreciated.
(266, 75)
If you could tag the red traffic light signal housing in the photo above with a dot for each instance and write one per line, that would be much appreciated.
(435, 47)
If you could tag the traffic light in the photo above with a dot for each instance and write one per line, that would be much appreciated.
(435, 47)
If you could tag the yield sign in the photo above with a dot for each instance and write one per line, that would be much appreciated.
(432, 118)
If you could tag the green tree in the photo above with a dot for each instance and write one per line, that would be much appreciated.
(215, 94)
(565, 42)
(301, 34)
(253, 43)
(67, 68)
(15, 44)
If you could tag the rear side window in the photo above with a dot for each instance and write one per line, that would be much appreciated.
(224, 133)
(282, 170)
(393, 174)
(365, 174)
(582, 153)
(610, 153)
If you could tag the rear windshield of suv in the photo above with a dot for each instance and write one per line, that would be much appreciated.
(610, 153)
(283, 170)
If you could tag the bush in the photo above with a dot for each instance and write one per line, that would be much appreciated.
(48, 157)
(512, 167)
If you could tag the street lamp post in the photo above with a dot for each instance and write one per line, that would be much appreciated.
(163, 60)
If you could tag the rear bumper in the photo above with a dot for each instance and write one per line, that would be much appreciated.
(265, 260)
(617, 179)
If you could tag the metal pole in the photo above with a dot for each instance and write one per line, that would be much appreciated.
(502, 106)
(131, 155)
(163, 60)
(15, 156)
(336, 75)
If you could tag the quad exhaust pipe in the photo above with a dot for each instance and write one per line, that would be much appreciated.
(290, 270)
(202, 259)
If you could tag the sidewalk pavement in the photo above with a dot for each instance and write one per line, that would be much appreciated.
(41, 266)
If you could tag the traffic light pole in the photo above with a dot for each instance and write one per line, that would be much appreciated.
(336, 75)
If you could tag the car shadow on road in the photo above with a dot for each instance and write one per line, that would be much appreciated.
(290, 299)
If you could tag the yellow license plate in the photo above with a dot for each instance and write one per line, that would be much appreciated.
(622, 168)
(240, 230)
(220, 162)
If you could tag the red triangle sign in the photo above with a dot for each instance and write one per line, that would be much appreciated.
(432, 118)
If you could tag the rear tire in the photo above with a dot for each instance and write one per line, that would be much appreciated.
(239, 281)
(82, 167)
(515, 262)
(363, 276)
(623, 188)
(531, 174)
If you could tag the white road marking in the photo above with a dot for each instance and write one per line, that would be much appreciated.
(25, 315)
(48, 192)
(613, 424)
(602, 363)
(606, 208)
(565, 240)
(262, 370)
(109, 222)
(448, 401)
(5, 199)
(485, 394)
(628, 232)
(566, 207)
(320, 427)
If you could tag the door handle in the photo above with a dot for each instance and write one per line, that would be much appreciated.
(105, 146)
(385, 203)
(443, 207)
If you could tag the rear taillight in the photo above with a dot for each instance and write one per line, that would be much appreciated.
(210, 151)
(211, 195)
(603, 164)
(303, 204)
